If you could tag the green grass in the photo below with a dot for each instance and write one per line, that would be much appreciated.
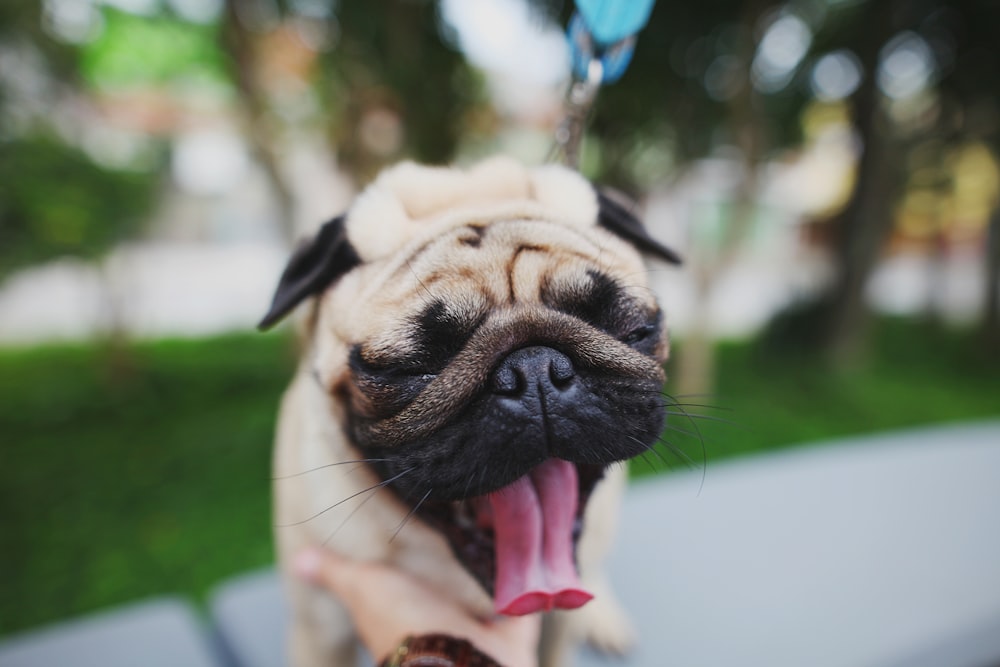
(150, 475)
(915, 375)
(149, 479)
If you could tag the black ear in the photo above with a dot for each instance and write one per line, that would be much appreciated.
(311, 269)
(619, 221)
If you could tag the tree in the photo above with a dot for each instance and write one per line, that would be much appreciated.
(55, 201)
(388, 85)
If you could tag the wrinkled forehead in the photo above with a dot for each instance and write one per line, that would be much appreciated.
(409, 202)
(507, 260)
(505, 268)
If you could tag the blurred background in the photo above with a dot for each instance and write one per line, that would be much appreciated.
(828, 168)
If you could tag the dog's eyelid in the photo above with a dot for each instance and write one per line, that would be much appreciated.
(642, 334)
(639, 333)
(599, 300)
(360, 362)
(356, 360)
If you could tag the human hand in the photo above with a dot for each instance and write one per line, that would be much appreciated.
(388, 605)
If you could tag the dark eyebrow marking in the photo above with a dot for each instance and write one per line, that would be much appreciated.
(600, 301)
(476, 239)
(477, 229)
(441, 334)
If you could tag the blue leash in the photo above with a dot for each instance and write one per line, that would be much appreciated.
(602, 36)
(606, 30)
(614, 20)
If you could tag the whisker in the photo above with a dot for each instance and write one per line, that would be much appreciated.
(711, 418)
(707, 406)
(701, 441)
(323, 467)
(687, 460)
(645, 459)
(483, 472)
(409, 514)
(692, 395)
(468, 485)
(682, 431)
(341, 502)
(652, 450)
(419, 281)
(374, 490)
(676, 451)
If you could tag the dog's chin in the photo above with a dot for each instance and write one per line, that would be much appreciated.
(519, 542)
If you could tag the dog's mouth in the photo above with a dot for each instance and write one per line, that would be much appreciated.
(519, 542)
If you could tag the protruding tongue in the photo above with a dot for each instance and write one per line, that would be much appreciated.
(533, 526)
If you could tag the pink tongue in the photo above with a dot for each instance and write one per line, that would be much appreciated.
(533, 525)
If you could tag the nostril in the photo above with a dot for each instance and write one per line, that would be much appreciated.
(541, 367)
(561, 370)
(507, 380)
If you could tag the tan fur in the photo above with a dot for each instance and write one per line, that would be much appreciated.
(409, 200)
(412, 229)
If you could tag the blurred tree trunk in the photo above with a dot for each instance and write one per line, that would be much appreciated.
(240, 44)
(696, 368)
(862, 229)
(393, 88)
(113, 340)
(991, 307)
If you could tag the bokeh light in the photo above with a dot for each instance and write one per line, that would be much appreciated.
(906, 66)
(783, 46)
(836, 76)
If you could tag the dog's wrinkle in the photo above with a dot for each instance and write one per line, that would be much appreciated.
(504, 438)
(600, 301)
(510, 270)
(443, 332)
(468, 374)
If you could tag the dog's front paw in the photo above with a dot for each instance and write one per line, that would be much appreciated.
(606, 626)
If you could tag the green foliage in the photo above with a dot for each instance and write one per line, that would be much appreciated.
(390, 55)
(154, 50)
(55, 201)
(122, 483)
(116, 487)
(21, 25)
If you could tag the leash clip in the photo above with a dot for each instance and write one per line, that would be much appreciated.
(579, 100)
(594, 63)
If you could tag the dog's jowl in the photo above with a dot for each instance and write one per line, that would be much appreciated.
(482, 350)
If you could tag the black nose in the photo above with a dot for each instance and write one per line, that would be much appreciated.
(533, 367)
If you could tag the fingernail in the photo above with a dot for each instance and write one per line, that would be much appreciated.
(306, 564)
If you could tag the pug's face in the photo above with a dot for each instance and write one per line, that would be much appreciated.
(492, 371)
(497, 346)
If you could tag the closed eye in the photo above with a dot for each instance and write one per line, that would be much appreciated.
(598, 300)
(645, 337)
(403, 367)
(640, 334)
(389, 387)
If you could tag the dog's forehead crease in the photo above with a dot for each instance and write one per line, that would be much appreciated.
(505, 261)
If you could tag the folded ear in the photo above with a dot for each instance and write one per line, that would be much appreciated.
(312, 268)
(619, 221)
